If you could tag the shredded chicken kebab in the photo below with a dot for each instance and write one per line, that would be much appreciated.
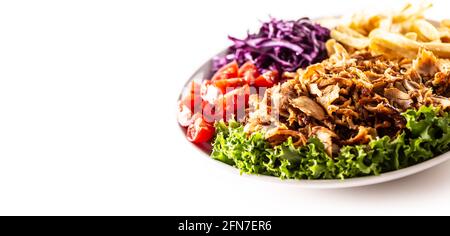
(350, 98)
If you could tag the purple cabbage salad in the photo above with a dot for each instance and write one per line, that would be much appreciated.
(284, 46)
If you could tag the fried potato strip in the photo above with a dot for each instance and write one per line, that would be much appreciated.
(400, 34)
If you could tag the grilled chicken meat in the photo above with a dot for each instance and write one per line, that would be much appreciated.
(350, 98)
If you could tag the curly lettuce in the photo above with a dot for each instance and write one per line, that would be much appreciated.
(426, 135)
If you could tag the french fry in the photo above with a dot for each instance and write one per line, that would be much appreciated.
(350, 37)
(355, 42)
(399, 45)
(386, 24)
(364, 25)
(399, 35)
(395, 44)
(357, 24)
(439, 49)
(445, 23)
(425, 31)
(411, 35)
(411, 12)
(349, 31)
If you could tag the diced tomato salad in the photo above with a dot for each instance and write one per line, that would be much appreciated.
(225, 96)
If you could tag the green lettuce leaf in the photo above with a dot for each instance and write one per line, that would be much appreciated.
(426, 135)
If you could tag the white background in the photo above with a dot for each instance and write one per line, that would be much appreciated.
(87, 114)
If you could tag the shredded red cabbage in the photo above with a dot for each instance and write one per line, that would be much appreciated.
(279, 45)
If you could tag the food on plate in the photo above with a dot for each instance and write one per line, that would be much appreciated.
(377, 101)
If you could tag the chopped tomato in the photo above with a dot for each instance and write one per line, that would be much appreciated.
(266, 80)
(192, 98)
(193, 102)
(229, 84)
(185, 117)
(194, 87)
(225, 96)
(200, 131)
(248, 71)
(226, 72)
(212, 111)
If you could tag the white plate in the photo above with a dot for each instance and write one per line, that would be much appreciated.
(204, 72)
